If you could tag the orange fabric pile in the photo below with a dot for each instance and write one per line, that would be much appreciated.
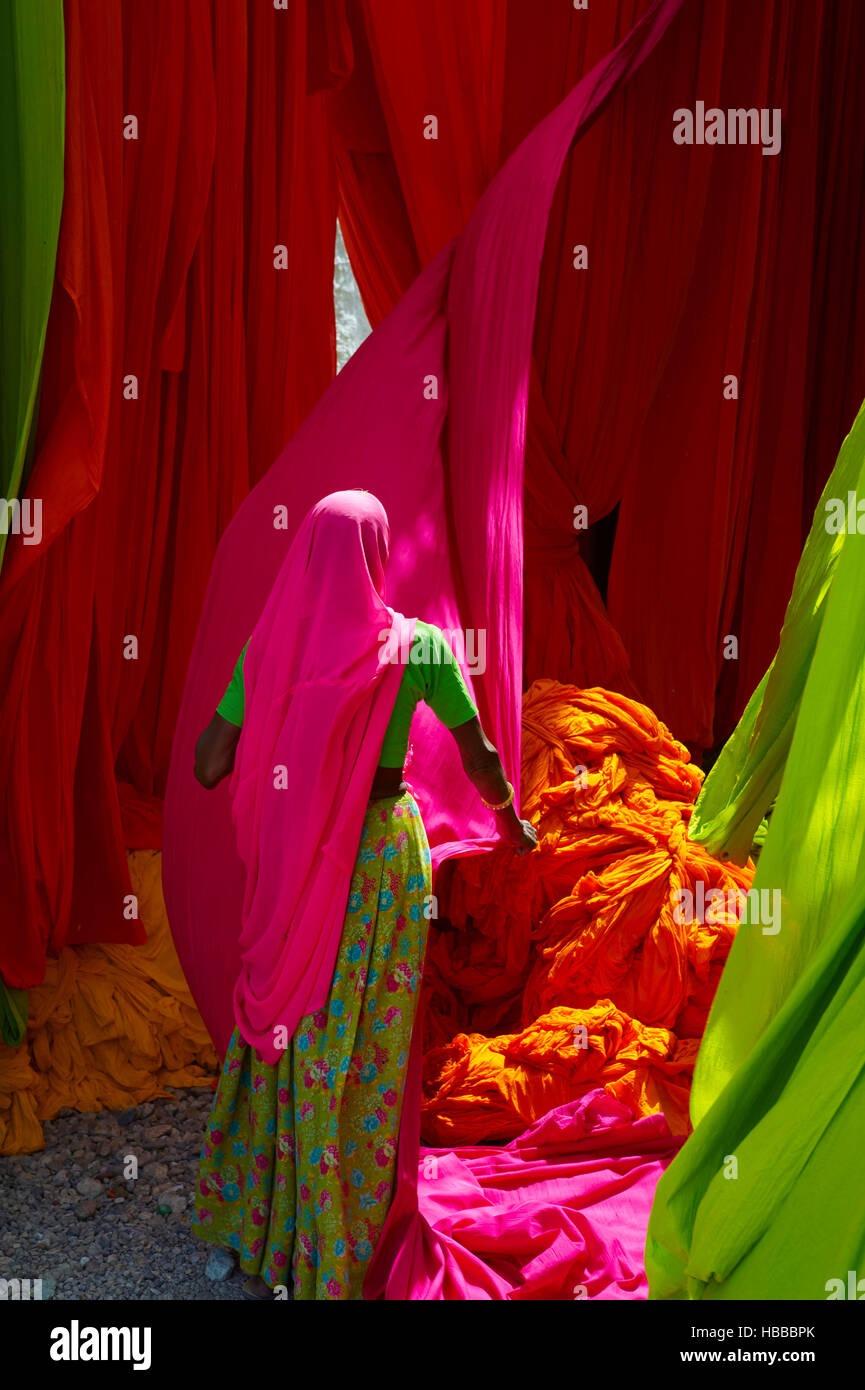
(555, 972)
(109, 1027)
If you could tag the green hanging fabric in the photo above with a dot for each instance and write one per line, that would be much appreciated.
(764, 1200)
(32, 116)
(13, 1014)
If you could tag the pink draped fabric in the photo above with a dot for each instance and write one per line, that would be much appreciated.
(377, 427)
(319, 687)
(455, 351)
(494, 283)
(558, 1213)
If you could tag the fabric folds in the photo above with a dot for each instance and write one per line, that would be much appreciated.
(109, 1027)
(319, 687)
(169, 298)
(31, 191)
(569, 968)
(779, 1090)
(559, 1213)
(630, 351)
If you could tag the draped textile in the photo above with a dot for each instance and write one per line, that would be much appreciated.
(406, 188)
(627, 417)
(402, 195)
(455, 518)
(558, 1213)
(319, 689)
(494, 280)
(165, 271)
(779, 1085)
(31, 191)
(745, 779)
(552, 973)
(373, 417)
(168, 271)
(109, 1027)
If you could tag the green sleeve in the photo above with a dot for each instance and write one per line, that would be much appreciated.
(232, 703)
(445, 690)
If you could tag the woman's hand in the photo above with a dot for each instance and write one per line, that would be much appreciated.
(520, 833)
(484, 769)
(215, 750)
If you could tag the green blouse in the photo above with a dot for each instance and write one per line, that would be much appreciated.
(431, 674)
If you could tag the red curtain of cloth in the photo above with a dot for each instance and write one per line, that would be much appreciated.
(169, 272)
(717, 496)
(407, 187)
(403, 195)
(703, 262)
(165, 271)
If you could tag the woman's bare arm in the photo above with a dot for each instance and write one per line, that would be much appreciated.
(215, 750)
(483, 767)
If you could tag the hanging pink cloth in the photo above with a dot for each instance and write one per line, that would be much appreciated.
(319, 688)
(378, 426)
(457, 347)
(491, 305)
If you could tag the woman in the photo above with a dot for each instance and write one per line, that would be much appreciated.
(298, 1163)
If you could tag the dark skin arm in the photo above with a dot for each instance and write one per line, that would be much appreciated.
(483, 767)
(217, 745)
(215, 750)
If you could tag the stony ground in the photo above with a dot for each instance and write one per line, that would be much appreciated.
(70, 1217)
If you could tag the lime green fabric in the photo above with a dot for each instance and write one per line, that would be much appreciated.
(765, 1198)
(759, 838)
(432, 674)
(32, 110)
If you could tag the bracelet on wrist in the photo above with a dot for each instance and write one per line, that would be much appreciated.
(500, 806)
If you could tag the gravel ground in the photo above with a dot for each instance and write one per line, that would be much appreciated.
(70, 1218)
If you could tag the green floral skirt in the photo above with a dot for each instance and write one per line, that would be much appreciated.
(298, 1163)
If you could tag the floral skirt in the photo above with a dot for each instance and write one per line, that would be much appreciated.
(298, 1163)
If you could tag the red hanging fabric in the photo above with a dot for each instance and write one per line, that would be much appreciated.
(49, 703)
(168, 272)
(751, 269)
(742, 273)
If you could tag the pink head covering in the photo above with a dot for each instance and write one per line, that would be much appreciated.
(320, 687)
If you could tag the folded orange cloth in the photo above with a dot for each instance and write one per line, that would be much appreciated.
(582, 933)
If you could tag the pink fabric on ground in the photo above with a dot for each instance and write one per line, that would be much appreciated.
(559, 1213)
(319, 689)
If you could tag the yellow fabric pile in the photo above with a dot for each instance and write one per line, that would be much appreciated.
(109, 1027)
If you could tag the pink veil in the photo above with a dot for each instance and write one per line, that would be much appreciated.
(319, 689)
